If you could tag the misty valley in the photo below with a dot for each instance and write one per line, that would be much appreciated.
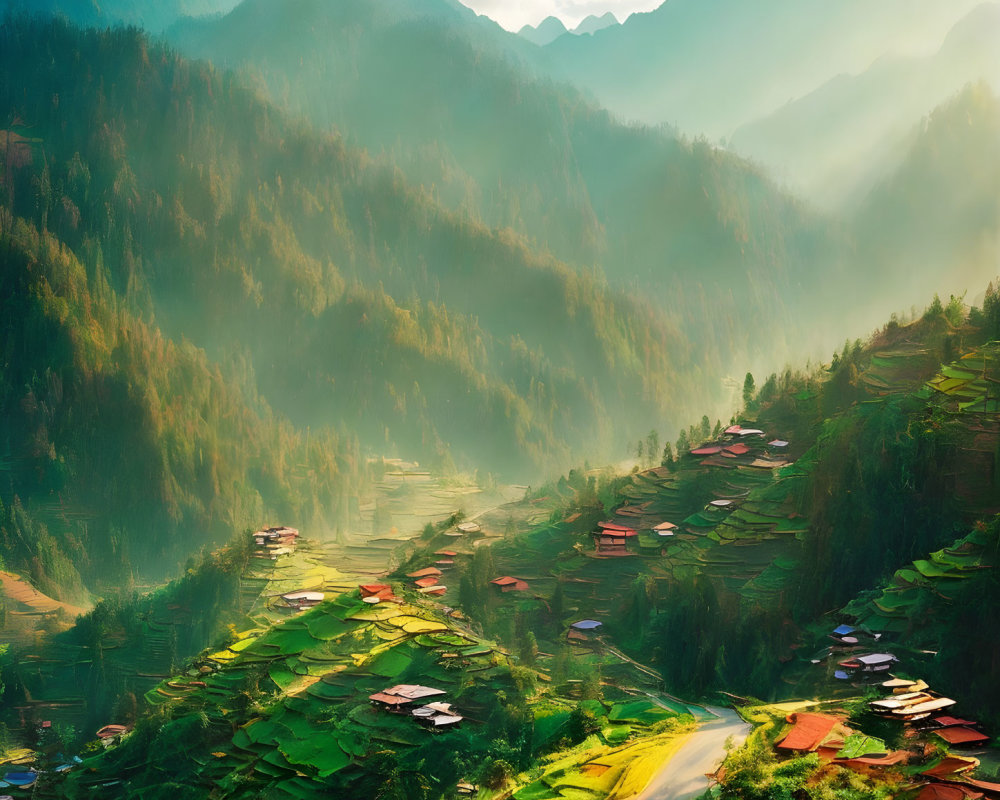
(399, 404)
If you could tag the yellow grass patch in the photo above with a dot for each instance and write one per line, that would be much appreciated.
(19, 590)
(301, 684)
(417, 624)
(644, 763)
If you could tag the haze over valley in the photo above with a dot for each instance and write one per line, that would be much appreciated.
(627, 352)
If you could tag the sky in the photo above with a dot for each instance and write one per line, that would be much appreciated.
(514, 14)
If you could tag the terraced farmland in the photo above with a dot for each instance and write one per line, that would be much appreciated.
(903, 604)
(64, 674)
(747, 545)
(972, 383)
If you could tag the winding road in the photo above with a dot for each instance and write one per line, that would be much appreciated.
(682, 777)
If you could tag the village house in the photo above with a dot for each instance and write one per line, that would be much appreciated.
(612, 538)
(302, 600)
(437, 715)
(506, 583)
(395, 698)
(584, 631)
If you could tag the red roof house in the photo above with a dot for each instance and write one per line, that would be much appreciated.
(961, 735)
(423, 573)
(614, 529)
(808, 731)
(508, 584)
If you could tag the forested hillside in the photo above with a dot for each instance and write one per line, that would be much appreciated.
(152, 16)
(297, 275)
(870, 498)
(466, 116)
(124, 452)
(877, 508)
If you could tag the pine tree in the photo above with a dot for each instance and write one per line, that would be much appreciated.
(748, 389)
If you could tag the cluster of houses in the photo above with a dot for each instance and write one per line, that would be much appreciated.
(733, 445)
(277, 541)
(906, 701)
(399, 699)
(428, 581)
(914, 701)
(273, 542)
(909, 701)
(375, 593)
(860, 666)
(614, 538)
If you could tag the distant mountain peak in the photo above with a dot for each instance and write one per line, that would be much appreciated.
(548, 30)
(594, 23)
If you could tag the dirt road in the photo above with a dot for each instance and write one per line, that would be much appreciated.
(683, 776)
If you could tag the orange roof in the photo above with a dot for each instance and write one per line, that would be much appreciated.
(428, 581)
(614, 526)
(808, 731)
(449, 553)
(618, 531)
(950, 722)
(961, 735)
(504, 580)
(949, 765)
(888, 760)
(986, 786)
(373, 588)
(112, 730)
(938, 791)
(423, 573)
(388, 699)
(738, 449)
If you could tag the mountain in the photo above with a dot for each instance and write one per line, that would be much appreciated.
(679, 65)
(593, 23)
(154, 17)
(835, 142)
(125, 452)
(703, 234)
(548, 30)
(343, 296)
(940, 206)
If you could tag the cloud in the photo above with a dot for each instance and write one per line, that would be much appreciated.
(514, 14)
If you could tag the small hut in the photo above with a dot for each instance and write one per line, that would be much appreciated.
(302, 600)
(505, 583)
